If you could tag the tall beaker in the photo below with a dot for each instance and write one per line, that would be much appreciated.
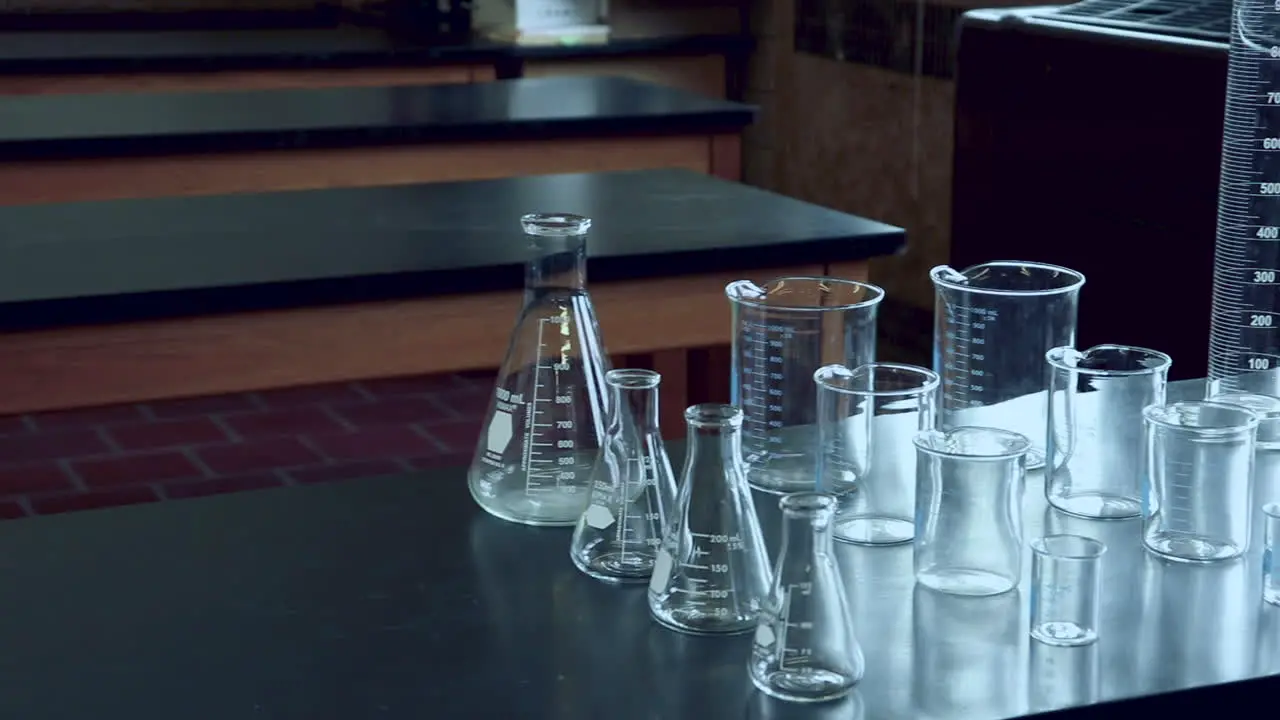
(533, 461)
(633, 490)
(712, 571)
(784, 331)
(993, 325)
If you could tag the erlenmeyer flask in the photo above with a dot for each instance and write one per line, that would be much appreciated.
(532, 463)
(712, 570)
(805, 648)
(633, 490)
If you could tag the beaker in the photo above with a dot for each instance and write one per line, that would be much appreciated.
(633, 490)
(784, 331)
(969, 509)
(712, 570)
(540, 438)
(805, 648)
(1266, 454)
(1094, 439)
(1198, 476)
(867, 418)
(1270, 551)
(993, 324)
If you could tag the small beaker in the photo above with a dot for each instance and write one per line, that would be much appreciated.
(993, 324)
(969, 484)
(1066, 589)
(1270, 561)
(867, 418)
(1198, 473)
(783, 331)
(805, 648)
(1266, 454)
(1094, 439)
(712, 571)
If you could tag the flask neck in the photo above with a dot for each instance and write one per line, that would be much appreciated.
(558, 263)
(638, 403)
(714, 448)
(806, 535)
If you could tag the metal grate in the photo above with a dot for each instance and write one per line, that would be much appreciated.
(1200, 19)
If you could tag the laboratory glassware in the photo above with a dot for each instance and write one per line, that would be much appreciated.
(867, 417)
(1066, 589)
(805, 648)
(784, 331)
(712, 571)
(1062, 677)
(1094, 439)
(633, 489)
(969, 484)
(540, 438)
(1198, 476)
(966, 658)
(1271, 563)
(1266, 456)
(993, 324)
(1244, 342)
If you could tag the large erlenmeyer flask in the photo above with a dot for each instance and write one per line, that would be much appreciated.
(533, 460)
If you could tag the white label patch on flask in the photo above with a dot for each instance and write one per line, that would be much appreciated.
(661, 571)
(764, 636)
(599, 517)
(499, 434)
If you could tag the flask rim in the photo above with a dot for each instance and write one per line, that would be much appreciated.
(706, 415)
(807, 502)
(555, 224)
(940, 273)
(633, 379)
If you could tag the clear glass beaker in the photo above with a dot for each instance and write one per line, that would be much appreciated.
(805, 648)
(533, 460)
(1266, 455)
(993, 324)
(784, 331)
(632, 491)
(969, 509)
(712, 571)
(1094, 439)
(867, 418)
(1198, 476)
(1066, 589)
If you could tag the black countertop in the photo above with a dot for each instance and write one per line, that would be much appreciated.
(398, 598)
(50, 51)
(60, 126)
(134, 259)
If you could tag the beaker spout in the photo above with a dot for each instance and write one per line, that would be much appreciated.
(946, 273)
(739, 290)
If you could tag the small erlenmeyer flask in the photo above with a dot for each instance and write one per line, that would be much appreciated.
(633, 489)
(712, 570)
(532, 463)
(805, 649)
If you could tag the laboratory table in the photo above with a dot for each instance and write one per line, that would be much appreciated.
(137, 300)
(60, 148)
(397, 597)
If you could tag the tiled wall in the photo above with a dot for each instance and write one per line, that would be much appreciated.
(127, 454)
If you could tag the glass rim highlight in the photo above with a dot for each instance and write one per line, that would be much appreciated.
(1053, 546)
(1016, 443)
(555, 224)
(713, 415)
(938, 271)
(633, 378)
(1058, 357)
(806, 502)
(875, 292)
(1151, 414)
(827, 376)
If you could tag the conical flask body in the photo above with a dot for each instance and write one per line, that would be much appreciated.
(712, 570)
(543, 431)
(805, 647)
(633, 489)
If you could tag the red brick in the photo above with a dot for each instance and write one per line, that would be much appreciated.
(191, 407)
(455, 437)
(135, 468)
(311, 395)
(393, 411)
(167, 433)
(87, 417)
(289, 421)
(14, 425)
(346, 471)
(252, 456)
(415, 385)
(41, 477)
(219, 486)
(436, 462)
(11, 510)
(375, 443)
(51, 446)
(71, 502)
